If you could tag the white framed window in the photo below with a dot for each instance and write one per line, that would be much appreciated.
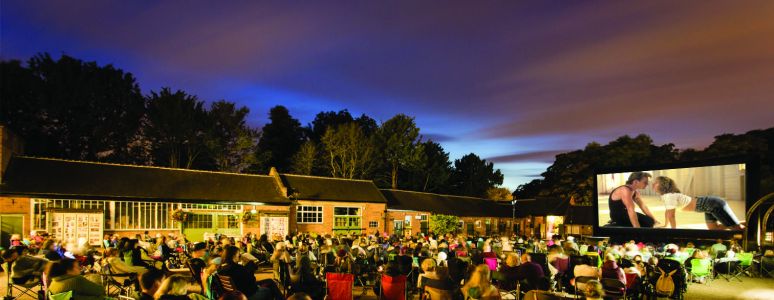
(423, 217)
(373, 224)
(309, 214)
(119, 215)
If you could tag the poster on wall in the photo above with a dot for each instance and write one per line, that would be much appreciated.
(275, 227)
(73, 225)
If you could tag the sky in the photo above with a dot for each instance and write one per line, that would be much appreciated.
(515, 82)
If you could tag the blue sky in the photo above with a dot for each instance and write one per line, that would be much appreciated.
(513, 82)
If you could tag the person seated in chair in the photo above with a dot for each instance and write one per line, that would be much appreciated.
(196, 262)
(611, 270)
(175, 287)
(243, 277)
(66, 276)
(529, 270)
(478, 286)
(26, 268)
(304, 280)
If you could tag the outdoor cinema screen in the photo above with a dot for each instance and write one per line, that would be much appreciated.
(703, 198)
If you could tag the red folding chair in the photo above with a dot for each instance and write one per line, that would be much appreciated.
(393, 288)
(340, 286)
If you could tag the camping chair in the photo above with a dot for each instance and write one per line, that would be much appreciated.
(580, 283)
(745, 263)
(679, 277)
(701, 268)
(118, 283)
(61, 296)
(197, 276)
(614, 288)
(339, 285)
(24, 288)
(727, 269)
(767, 266)
(393, 288)
(508, 287)
(491, 262)
(633, 285)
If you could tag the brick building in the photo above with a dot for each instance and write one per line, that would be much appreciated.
(408, 212)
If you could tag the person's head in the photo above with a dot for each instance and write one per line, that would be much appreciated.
(64, 267)
(429, 265)
(150, 281)
(300, 296)
(664, 185)
(639, 180)
(479, 277)
(637, 258)
(719, 241)
(594, 289)
(176, 285)
(610, 257)
(231, 255)
(512, 260)
(199, 250)
(525, 258)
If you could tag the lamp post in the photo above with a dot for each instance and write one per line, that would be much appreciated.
(513, 215)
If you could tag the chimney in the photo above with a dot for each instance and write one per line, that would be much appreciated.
(283, 189)
(10, 145)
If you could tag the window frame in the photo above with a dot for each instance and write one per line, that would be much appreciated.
(300, 212)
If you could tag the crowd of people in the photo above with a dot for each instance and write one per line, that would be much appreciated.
(436, 266)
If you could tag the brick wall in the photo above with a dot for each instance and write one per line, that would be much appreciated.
(17, 206)
(370, 212)
(393, 215)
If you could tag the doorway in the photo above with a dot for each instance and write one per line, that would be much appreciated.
(9, 225)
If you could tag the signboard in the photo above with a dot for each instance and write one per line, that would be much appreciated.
(274, 227)
(74, 225)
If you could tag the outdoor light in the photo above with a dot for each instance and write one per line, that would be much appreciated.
(253, 211)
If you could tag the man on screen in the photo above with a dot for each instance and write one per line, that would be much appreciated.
(622, 200)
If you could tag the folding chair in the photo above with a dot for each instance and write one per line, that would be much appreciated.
(508, 287)
(226, 283)
(614, 289)
(767, 266)
(339, 286)
(727, 270)
(745, 263)
(633, 285)
(701, 268)
(580, 283)
(393, 288)
(491, 262)
(61, 296)
(118, 283)
(25, 289)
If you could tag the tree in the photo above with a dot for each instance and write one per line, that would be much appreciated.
(499, 194)
(280, 140)
(230, 142)
(176, 127)
(324, 120)
(400, 145)
(69, 108)
(432, 172)
(443, 224)
(473, 176)
(305, 160)
(349, 152)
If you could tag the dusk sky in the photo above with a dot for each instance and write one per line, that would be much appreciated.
(515, 82)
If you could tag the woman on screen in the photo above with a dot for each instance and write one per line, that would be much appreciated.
(715, 209)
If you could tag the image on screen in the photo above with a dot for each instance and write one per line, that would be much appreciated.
(705, 198)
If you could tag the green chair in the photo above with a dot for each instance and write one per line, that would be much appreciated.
(745, 262)
(61, 296)
(700, 268)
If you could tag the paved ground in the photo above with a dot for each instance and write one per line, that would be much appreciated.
(685, 220)
(717, 289)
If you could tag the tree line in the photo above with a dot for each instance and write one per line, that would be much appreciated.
(72, 109)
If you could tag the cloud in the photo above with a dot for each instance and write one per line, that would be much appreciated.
(437, 137)
(535, 156)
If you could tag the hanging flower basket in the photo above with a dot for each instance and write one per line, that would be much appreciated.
(246, 216)
(180, 216)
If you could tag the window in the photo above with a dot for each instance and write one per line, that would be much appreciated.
(373, 224)
(199, 221)
(423, 218)
(309, 214)
(119, 215)
(227, 221)
(210, 206)
(346, 217)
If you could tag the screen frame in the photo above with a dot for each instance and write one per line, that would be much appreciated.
(650, 234)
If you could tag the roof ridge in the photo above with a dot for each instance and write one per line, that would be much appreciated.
(138, 166)
(325, 177)
(448, 195)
